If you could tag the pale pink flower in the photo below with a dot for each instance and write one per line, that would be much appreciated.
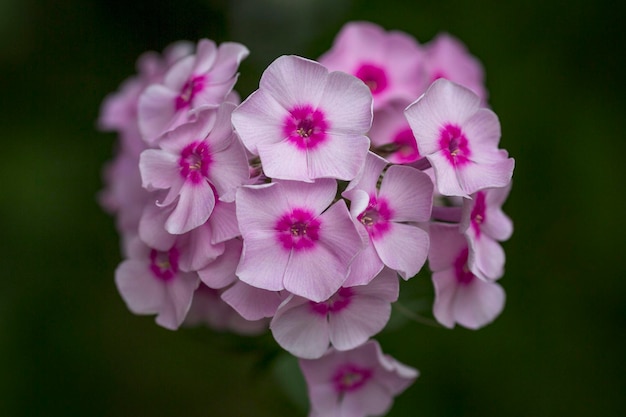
(484, 223)
(346, 320)
(293, 240)
(198, 162)
(389, 63)
(305, 123)
(459, 139)
(460, 296)
(447, 57)
(199, 80)
(355, 383)
(390, 214)
(150, 282)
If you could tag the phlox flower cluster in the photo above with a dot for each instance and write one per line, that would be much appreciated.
(303, 208)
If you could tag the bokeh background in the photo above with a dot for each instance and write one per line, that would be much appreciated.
(69, 346)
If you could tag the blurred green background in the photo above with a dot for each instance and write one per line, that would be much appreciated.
(69, 346)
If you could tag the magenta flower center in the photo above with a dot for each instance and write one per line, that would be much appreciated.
(298, 230)
(461, 270)
(305, 127)
(478, 213)
(189, 91)
(454, 144)
(340, 300)
(376, 217)
(373, 76)
(194, 162)
(164, 265)
(350, 377)
(407, 146)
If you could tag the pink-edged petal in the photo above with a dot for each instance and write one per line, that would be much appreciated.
(159, 169)
(258, 120)
(403, 248)
(339, 233)
(178, 300)
(263, 263)
(221, 272)
(478, 304)
(486, 259)
(299, 329)
(282, 161)
(156, 110)
(223, 222)
(229, 170)
(365, 266)
(293, 80)
(446, 242)
(176, 140)
(373, 399)
(194, 207)
(221, 134)
(367, 178)
(315, 274)
(152, 228)
(196, 249)
(341, 157)
(315, 197)
(250, 302)
(179, 74)
(140, 290)
(445, 284)
(384, 286)
(474, 177)
(410, 193)
(229, 56)
(364, 317)
(447, 176)
(342, 88)
(483, 130)
(259, 207)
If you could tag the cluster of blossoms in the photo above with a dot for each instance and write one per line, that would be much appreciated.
(299, 208)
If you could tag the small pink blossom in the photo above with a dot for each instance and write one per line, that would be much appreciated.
(305, 123)
(459, 139)
(484, 223)
(391, 135)
(390, 215)
(460, 296)
(150, 282)
(355, 383)
(293, 240)
(198, 162)
(389, 63)
(199, 80)
(346, 320)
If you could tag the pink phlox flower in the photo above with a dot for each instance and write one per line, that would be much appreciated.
(118, 111)
(207, 308)
(460, 139)
(253, 303)
(150, 282)
(484, 223)
(305, 123)
(460, 296)
(196, 81)
(198, 162)
(389, 63)
(391, 215)
(197, 247)
(391, 135)
(355, 383)
(293, 240)
(346, 320)
(447, 57)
